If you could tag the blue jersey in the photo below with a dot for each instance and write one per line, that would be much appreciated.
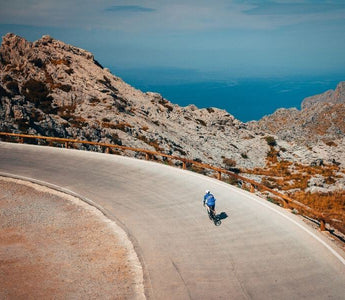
(209, 199)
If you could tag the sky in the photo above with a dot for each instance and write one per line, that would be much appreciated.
(192, 41)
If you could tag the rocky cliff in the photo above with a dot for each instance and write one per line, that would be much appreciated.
(50, 88)
(321, 119)
(330, 96)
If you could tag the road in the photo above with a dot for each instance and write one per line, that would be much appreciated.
(260, 251)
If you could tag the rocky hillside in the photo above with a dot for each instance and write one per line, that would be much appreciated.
(51, 88)
(321, 119)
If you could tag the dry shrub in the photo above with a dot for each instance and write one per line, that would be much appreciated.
(229, 162)
(151, 142)
(271, 141)
(331, 204)
(37, 92)
(272, 155)
(331, 144)
(61, 62)
(122, 126)
(201, 122)
(286, 176)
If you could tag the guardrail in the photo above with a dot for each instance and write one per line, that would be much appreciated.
(252, 185)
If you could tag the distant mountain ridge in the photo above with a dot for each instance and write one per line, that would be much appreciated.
(330, 96)
(320, 119)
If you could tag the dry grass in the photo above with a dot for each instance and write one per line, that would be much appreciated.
(151, 142)
(331, 205)
(292, 179)
(229, 162)
(60, 62)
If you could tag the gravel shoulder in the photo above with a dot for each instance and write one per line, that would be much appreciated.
(53, 245)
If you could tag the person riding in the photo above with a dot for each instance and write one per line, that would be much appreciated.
(210, 201)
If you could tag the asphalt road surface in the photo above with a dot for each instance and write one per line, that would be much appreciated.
(260, 251)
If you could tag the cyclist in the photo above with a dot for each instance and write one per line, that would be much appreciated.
(210, 201)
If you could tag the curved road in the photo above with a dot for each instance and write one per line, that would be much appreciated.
(259, 252)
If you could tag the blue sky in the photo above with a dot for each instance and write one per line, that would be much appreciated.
(241, 38)
(172, 42)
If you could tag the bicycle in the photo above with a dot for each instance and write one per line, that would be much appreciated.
(213, 217)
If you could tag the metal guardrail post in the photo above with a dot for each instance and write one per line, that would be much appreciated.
(219, 176)
(252, 189)
(147, 156)
(66, 145)
(322, 225)
(285, 204)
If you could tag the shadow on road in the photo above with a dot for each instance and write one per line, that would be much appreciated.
(223, 215)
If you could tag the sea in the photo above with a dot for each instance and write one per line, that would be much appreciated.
(245, 98)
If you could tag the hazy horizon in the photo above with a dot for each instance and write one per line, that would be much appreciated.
(242, 97)
(175, 46)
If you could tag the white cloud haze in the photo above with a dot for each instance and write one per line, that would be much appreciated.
(237, 36)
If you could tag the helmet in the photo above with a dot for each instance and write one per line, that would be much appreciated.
(207, 192)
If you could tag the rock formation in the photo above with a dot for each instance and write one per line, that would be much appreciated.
(50, 88)
(320, 119)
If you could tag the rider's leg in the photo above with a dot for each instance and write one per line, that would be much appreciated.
(212, 207)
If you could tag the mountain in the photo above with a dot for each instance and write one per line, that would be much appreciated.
(53, 89)
(330, 96)
(320, 119)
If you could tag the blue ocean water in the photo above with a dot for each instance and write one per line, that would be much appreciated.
(246, 98)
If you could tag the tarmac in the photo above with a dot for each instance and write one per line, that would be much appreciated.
(260, 251)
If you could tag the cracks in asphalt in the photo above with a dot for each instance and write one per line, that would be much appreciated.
(179, 273)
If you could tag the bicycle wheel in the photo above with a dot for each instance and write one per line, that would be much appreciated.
(217, 222)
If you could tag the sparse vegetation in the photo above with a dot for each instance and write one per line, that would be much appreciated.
(272, 155)
(65, 87)
(36, 92)
(94, 101)
(78, 122)
(229, 162)
(181, 151)
(271, 141)
(201, 122)
(121, 126)
(61, 61)
(286, 176)
(37, 62)
(331, 144)
(112, 126)
(166, 104)
(13, 87)
(66, 112)
(69, 71)
(151, 142)
(331, 204)
(108, 84)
